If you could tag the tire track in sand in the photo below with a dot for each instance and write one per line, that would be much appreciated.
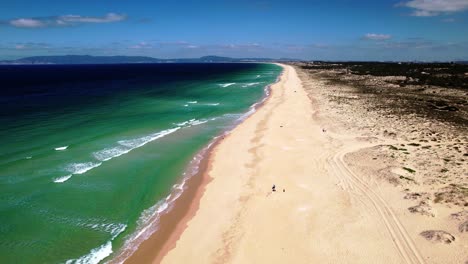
(397, 232)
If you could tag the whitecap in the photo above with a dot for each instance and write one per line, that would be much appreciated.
(250, 84)
(61, 148)
(101, 252)
(110, 153)
(80, 168)
(224, 85)
(77, 168)
(181, 124)
(95, 256)
(192, 102)
(63, 178)
(198, 122)
(138, 142)
(192, 122)
(213, 104)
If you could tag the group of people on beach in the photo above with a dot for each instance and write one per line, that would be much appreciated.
(273, 188)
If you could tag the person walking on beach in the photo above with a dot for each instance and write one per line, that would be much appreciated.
(273, 189)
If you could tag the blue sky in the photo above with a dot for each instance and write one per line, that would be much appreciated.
(316, 30)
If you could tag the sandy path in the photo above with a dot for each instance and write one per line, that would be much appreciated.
(327, 214)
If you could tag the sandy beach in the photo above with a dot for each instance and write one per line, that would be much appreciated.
(330, 204)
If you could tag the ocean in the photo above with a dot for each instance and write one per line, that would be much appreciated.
(90, 155)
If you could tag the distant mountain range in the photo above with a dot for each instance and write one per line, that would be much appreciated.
(87, 59)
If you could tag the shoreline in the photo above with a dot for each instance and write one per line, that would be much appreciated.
(172, 224)
(336, 192)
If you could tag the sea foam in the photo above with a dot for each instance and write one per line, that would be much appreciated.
(250, 84)
(61, 148)
(110, 153)
(124, 147)
(63, 178)
(101, 252)
(80, 168)
(192, 122)
(77, 168)
(224, 85)
(139, 142)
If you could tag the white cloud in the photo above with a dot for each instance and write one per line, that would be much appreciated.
(373, 36)
(108, 18)
(142, 45)
(425, 8)
(65, 20)
(27, 23)
(242, 46)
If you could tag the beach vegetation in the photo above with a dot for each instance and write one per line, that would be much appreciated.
(393, 147)
(409, 170)
(406, 178)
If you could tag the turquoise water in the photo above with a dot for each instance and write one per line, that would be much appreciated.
(92, 154)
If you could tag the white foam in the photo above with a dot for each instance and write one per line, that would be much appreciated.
(110, 153)
(224, 85)
(185, 105)
(192, 122)
(181, 124)
(139, 142)
(61, 148)
(29, 157)
(77, 168)
(213, 104)
(192, 102)
(247, 114)
(63, 178)
(258, 76)
(250, 84)
(233, 116)
(80, 168)
(198, 122)
(97, 254)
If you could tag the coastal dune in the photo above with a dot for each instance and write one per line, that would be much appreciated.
(321, 212)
